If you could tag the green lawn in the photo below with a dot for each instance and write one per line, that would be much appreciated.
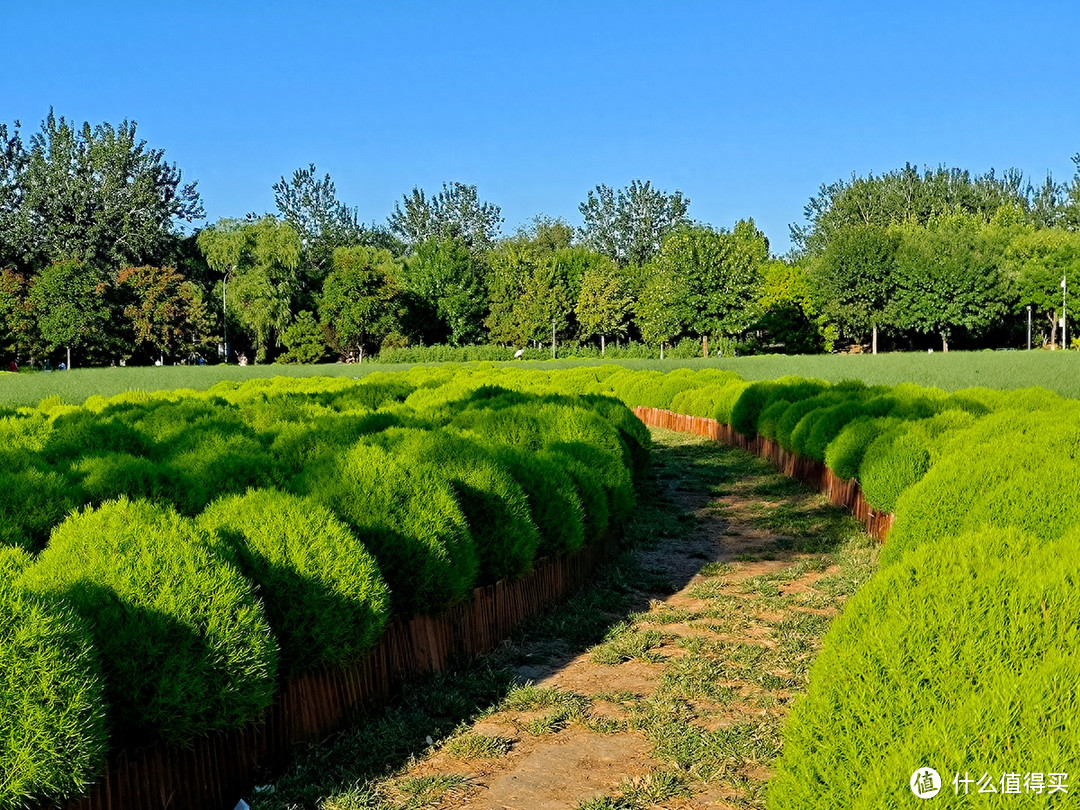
(1058, 371)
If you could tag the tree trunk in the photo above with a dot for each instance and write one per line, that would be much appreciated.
(1053, 329)
(69, 357)
(601, 345)
(873, 340)
(705, 346)
(944, 342)
(661, 351)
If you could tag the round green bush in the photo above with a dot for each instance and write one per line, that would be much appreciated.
(324, 597)
(894, 462)
(409, 519)
(962, 657)
(553, 496)
(32, 501)
(183, 641)
(796, 414)
(844, 454)
(747, 410)
(766, 424)
(52, 716)
(495, 506)
(813, 440)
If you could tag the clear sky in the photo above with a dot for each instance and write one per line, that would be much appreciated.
(747, 107)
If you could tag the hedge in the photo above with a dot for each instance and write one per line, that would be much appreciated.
(184, 645)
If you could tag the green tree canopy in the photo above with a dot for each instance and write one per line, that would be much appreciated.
(1038, 261)
(456, 212)
(165, 311)
(854, 278)
(359, 299)
(603, 304)
(447, 275)
(96, 193)
(629, 225)
(258, 260)
(949, 277)
(661, 311)
(68, 300)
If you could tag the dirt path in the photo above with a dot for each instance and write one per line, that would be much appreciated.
(705, 632)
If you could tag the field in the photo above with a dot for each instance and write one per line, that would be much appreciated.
(312, 505)
(1056, 371)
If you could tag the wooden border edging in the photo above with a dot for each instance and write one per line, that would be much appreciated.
(217, 770)
(844, 492)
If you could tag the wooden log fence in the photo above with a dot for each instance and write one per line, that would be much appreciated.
(217, 770)
(841, 491)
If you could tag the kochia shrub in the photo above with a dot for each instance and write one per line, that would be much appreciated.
(409, 520)
(184, 644)
(895, 461)
(963, 656)
(766, 424)
(52, 718)
(845, 453)
(1012, 468)
(324, 596)
(32, 501)
(495, 506)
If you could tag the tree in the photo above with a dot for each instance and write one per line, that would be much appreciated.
(261, 257)
(906, 195)
(854, 279)
(603, 305)
(165, 311)
(629, 225)
(18, 329)
(1038, 260)
(323, 223)
(456, 212)
(358, 303)
(719, 271)
(949, 276)
(305, 340)
(790, 320)
(444, 273)
(661, 311)
(98, 194)
(13, 225)
(68, 302)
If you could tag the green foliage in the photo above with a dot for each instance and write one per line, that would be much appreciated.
(444, 273)
(183, 642)
(629, 225)
(495, 506)
(603, 305)
(324, 596)
(894, 461)
(32, 501)
(358, 301)
(455, 212)
(661, 311)
(52, 718)
(963, 651)
(408, 519)
(68, 300)
(304, 340)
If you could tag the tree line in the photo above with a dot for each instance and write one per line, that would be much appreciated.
(97, 267)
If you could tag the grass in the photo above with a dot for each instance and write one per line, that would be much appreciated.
(1056, 371)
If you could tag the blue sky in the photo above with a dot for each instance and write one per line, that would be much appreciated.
(745, 107)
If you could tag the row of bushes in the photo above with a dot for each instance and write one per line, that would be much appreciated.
(685, 349)
(179, 550)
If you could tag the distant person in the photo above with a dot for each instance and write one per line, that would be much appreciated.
(242, 360)
(14, 367)
(62, 366)
(201, 361)
(518, 354)
(48, 364)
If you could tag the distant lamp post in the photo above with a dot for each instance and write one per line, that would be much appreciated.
(1064, 345)
(1029, 327)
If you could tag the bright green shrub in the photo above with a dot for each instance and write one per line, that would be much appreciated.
(894, 461)
(214, 461)
(83, 431)
(554, 502)
(725, 398)
(963, 656)
(591, 494)
(324, 596)
(813, 440)
(1012, 468)
(631, 430)
(770, 416)
(106, 476)
(296, 445)
(183, 642)
(367, 395)
(52, 717)
(844, 454)
(495, 506)
(409, 520)
(796, 413)
(32, 501)
(747, 410)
